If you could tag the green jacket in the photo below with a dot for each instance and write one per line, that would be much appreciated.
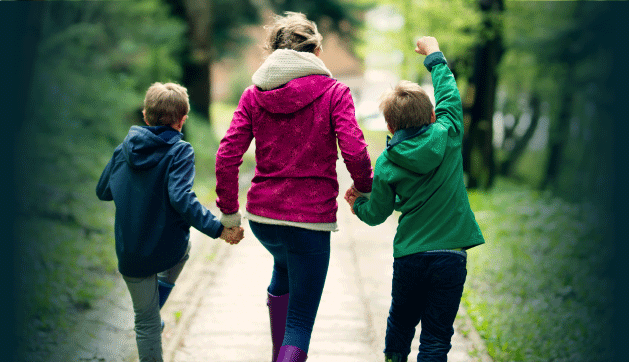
(420, 174)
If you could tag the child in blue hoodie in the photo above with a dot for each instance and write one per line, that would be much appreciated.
(150, 179)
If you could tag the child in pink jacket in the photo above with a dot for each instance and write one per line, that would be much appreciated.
(296, 112)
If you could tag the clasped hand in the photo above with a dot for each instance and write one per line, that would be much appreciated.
(233, 235)
(350, 196)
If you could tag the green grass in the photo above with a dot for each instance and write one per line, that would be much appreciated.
(537, 290)
(66, 258)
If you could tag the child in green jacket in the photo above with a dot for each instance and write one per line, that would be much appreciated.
(420, 174)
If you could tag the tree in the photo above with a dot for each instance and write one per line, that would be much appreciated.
(454, 23)
(335, 16)
(478, 150)
(210, 36)
(213, 32)
(516, 145)
(557, 56)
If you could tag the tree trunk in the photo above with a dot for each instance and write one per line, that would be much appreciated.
(557, 138)
(197, 57)
(506, 167)
(196, 78)
(479, 150)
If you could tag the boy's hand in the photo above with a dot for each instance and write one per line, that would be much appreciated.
(233, 235)
(427, 45)
(350, 196)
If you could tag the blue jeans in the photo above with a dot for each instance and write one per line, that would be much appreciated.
(301, 258)
(426, 287)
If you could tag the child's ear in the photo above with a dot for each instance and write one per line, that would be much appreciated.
(433, 117)
(183, 120)
(144, 117)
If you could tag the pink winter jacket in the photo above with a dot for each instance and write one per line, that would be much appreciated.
(296, 128)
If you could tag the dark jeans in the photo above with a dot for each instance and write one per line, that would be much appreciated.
(301, 259)
(426, 287)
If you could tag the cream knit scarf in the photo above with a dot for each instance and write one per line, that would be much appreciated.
(284, 65)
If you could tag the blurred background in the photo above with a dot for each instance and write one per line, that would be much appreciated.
(542, 88)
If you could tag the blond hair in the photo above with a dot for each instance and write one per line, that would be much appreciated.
(165, 104)
(405, 106)
(293, 31)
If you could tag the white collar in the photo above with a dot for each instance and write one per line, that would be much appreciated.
(284, 65)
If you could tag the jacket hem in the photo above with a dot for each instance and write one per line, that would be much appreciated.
(324, 226)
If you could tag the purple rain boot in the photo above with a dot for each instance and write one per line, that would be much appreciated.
(278, 308)
(291, 354)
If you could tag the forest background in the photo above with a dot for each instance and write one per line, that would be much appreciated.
(544, 92)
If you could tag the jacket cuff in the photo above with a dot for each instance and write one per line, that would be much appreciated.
(433, 59)
(219, 232)
(231, 220)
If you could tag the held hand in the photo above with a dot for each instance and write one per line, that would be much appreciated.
(352, 191)
(233, 235)
(427, 45)
(350, 196)
(351, 201)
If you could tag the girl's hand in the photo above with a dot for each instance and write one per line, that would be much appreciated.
(233, 235)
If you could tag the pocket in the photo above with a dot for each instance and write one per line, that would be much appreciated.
(449, 269)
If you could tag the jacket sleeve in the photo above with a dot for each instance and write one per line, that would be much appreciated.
(184, 200)
(103, 190)
(448, 109)
(229, 158)
(351, 140)
(380, 205)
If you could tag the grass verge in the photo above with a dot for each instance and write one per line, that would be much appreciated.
(537, 290)
(66, 256)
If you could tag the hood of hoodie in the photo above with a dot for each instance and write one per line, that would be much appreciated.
(419, 150)
(295, 95)
(145, 146)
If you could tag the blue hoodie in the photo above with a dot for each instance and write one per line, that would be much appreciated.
(150, 179)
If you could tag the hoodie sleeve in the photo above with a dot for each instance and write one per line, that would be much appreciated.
(351, 140)
(448, 109)
(380, 205)
(184, 200)
(229, 157)
(103, 190)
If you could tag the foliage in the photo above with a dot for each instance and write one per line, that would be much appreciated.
(538, 289)
(338, 16)
(454, 23)
(224, 19)
(227, 30)
(94, 63)
(561, 53)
